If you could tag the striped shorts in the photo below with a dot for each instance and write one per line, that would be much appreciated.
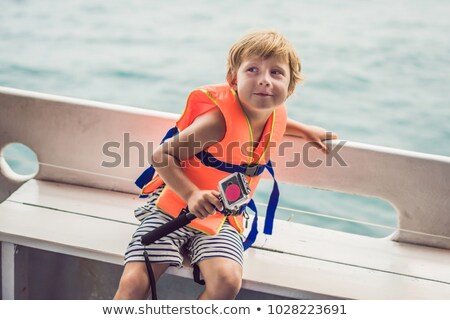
(171, 248)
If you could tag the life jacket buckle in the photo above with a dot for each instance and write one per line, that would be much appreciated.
(252, 170)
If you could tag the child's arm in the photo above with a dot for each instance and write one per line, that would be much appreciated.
(206, 130)
(310, 133)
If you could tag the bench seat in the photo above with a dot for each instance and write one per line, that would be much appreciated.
(298, 261)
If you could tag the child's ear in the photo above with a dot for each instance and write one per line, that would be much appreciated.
(232, 80)
(233, 83)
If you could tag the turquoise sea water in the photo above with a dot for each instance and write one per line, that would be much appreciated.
(376, 72)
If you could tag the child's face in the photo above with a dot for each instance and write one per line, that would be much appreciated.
(262, 84)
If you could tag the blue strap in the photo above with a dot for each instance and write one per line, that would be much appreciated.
(254, 230)
(145, 177)
(209, 160)
(270, 213)
(170, 133)
(148, 174)
(273, 202)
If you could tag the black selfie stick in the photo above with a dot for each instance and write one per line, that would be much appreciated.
(183, 219)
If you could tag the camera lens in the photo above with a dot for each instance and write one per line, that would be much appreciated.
(232, 192)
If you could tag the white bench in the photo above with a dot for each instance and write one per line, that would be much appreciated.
(90, 216)
(316, 263)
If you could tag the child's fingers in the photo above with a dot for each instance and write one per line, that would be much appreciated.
(322, 146)
(208, 207)
(215, 200)
(202, 212)
(329, 135)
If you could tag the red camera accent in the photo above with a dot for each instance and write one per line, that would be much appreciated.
(233, 192)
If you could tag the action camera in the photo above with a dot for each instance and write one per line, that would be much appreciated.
(234, 193)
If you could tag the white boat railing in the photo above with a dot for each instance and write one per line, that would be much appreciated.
(77, 142)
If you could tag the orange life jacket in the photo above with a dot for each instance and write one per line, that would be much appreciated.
(235, 148)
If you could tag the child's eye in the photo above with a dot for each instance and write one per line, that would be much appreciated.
(252, 69)
(277, 72)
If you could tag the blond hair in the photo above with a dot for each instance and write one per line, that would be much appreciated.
(264, 44)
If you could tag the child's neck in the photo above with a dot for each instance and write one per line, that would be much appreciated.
(257, 123)
(258, 120)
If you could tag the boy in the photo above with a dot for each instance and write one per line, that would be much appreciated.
(249, 110)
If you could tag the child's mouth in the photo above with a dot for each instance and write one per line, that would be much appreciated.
(263, 94)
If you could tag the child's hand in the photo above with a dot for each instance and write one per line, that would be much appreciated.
(317, 135)
(203, 203)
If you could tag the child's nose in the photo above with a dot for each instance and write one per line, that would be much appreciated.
(264, 80)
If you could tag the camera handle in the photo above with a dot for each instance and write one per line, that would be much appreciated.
(183, 219)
